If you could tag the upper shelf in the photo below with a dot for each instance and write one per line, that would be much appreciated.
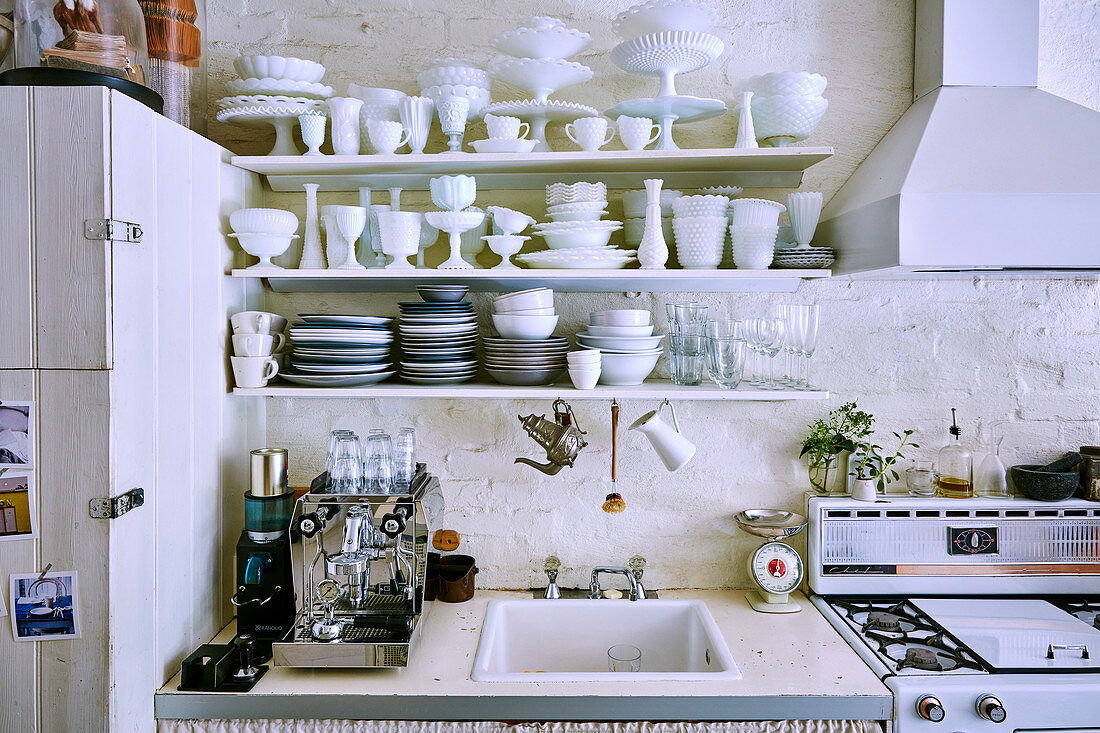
(623, 169)
(577, 281)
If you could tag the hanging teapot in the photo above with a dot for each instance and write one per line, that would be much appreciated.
(561, 438)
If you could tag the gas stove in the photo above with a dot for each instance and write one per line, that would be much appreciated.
(979, 615)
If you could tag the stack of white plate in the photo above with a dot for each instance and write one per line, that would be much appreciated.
(339, 350)
(525, 353)
(628, 349)
(803, 258)
(576, 211)
(438, 342)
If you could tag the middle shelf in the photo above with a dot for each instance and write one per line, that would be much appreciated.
(657, 389)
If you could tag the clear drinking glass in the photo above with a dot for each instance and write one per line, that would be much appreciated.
(624, 658)
(688, 319)
(729, 329)
(920, 479)
(331, 458)
(686, 353)
(404, 459)
(726, 361)
(346, 476)
(379, 471)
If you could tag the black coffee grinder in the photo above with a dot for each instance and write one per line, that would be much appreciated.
(265, 583)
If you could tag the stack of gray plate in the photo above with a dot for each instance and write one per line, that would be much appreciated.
(438, 342)
(339, 350)
(525, 363)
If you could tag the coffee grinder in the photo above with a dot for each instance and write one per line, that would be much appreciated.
(265, 584)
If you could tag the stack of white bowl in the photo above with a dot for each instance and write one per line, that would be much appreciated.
(584, 368)
(754, 227)
(699, 224)
(634, 203)
(786, 106)
(264, 233)
(628, 349)
(526, 353)
(453, 77)
(578, 226)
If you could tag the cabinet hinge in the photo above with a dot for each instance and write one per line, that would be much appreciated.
(113, 230)
(109, 508)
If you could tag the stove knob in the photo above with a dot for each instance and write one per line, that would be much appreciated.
(930, 708)
(991, 709)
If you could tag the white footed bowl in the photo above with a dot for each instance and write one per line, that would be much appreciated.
(263, 221)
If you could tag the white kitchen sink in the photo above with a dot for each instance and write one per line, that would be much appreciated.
(567, 641)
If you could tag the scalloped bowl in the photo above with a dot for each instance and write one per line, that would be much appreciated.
(780, 121)
(542, 38)
(461, 74)
(664, 15)
(278, 67)
(677, 52)
(784, 84)
(263, 221)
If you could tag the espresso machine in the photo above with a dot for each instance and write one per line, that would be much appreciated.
(264, 594)
(364, 566)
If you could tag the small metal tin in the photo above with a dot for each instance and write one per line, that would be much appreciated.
(1090, 472)
(269, 472)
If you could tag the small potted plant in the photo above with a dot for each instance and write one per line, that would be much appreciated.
(873, 467)
(829, 437)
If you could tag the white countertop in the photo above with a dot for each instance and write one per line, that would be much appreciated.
(793, 666)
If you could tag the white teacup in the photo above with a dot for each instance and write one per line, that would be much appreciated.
(386, 135)
(637, 132)
(506, 128)
(257, 344)
(250, 372)
(257, 322)
(590, 133)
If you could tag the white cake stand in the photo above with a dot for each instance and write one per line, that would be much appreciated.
(282, 116)
(538, 114)
(667, 54)
(666, 111)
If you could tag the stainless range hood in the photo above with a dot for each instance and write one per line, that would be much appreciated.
(984, 171)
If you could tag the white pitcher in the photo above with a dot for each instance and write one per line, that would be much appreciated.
(672, 447)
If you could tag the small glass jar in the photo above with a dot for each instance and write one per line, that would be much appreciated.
(921, 479)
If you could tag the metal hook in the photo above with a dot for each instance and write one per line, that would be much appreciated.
(42, 575)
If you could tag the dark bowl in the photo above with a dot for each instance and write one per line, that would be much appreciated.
(1043, 485)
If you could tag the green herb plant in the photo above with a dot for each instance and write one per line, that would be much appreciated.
(842, 430)
(872, 464)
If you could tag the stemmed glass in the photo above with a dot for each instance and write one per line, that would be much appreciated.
(766, 337)
(802, 321)
(789, 315)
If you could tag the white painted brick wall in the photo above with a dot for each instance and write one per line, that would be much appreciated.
(1025, 351)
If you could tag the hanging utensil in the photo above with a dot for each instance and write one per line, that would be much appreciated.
(613, 502)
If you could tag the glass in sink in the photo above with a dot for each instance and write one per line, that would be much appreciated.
(567, 641)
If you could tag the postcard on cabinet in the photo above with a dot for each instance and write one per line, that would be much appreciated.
(16, 434)
(44, 606)
(17, 515)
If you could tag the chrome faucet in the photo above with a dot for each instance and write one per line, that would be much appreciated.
(637, 593)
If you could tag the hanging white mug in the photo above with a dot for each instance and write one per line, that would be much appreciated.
(672, 447)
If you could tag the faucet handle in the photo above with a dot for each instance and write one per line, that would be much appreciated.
(637, 566)
(551, 564)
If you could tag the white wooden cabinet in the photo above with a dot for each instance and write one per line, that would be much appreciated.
(121, 345)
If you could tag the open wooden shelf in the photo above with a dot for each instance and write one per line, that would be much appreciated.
(577, 281)
(685, 168)
(657, 389)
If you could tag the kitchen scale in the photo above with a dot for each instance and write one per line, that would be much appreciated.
(775, 566)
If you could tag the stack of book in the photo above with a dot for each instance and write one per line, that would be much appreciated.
(96, 52)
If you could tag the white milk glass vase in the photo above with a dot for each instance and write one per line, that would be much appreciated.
(653, 251)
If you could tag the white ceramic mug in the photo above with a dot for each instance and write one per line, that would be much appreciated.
(250, 372)
(345, 124)
(506, 128)
(590, 133)
(257, 344)
(386, 136)
(257, 322)
(637, 132)
(672, 447)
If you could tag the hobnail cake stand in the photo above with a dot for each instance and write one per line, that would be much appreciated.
(678, 109)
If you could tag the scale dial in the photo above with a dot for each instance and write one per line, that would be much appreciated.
(776, 568)
(328, 591)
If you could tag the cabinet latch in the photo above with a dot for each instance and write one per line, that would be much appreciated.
(108, 508)
(113, 230)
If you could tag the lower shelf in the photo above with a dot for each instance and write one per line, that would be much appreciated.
(653, 390)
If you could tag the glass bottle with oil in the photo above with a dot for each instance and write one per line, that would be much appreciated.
(955, 466)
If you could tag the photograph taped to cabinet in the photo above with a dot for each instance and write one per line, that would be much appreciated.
(44, 606)
(16, 434)
(17, 502)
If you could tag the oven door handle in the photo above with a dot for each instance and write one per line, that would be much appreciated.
(1069, 648)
